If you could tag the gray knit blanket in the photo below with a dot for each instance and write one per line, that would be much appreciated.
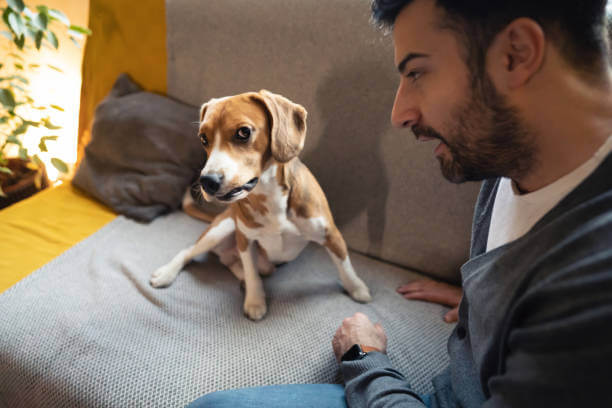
(87, 330)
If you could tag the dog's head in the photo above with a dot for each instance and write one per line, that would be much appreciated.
(241, 134)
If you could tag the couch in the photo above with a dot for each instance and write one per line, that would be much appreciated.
(103, 337)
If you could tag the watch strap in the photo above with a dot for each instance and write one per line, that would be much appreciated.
(357, 352)
(368, 349)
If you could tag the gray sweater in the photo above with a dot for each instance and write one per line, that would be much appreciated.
(535, 321)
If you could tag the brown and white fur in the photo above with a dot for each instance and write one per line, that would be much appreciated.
(276, 205)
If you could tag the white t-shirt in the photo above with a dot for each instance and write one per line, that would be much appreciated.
(514, 213)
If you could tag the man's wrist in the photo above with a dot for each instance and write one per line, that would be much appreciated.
(357, 352)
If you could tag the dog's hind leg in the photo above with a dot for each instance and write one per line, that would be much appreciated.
(237, 270)
(222, 227)
(336, 248)
(231, 259)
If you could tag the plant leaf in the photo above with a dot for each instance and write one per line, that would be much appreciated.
(59, 164)
(46, 122)
(5, 170)
(21, 129)
(16, 56)
(7, 98)
(56, 107)
(16, 5)
(19, 66)
(13, 139)
(37, 160)
(23, 153)
(42, 145)
(53, 39)
(38, 39)
(7, 34)
(43, 9)
(30, 123)
(40, 21)
(7, 11)
(28, 13)
(38, 180)
(2, 193)
(55, 68)
(21, 79)
(75, 35)
(14, 85)
(20, 41)
(79, 29)
(58, 15)
(31, 33)
(16, 24)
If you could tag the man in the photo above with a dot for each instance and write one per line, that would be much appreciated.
(518, 94)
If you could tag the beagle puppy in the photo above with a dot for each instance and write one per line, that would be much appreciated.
(276, 206)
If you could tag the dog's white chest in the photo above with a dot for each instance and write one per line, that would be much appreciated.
(284, 247)
(278, 235)
(280, 238)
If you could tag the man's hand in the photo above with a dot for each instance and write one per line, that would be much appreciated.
(358, 329)
(436, 292)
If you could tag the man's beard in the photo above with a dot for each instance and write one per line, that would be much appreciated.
(487, 139)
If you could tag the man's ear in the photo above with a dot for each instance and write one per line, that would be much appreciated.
(517, 53)
(287, 125)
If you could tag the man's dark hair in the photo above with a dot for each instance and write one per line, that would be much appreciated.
(578, 28)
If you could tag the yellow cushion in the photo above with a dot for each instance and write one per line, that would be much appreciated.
(36, 230)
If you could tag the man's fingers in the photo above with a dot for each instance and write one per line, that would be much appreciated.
(443, 298)
(414, 285)
(452, 315)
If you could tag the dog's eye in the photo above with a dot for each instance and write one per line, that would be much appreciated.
(204, 139)
(243, 134)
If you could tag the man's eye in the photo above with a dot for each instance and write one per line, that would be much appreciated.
(414, 75)
(204, 139)
(243, 134)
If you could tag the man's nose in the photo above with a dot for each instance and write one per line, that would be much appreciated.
(404, 113)
(211, 182)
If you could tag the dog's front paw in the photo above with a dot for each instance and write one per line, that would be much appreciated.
(255, 310)
(164, 276)
(361, 294)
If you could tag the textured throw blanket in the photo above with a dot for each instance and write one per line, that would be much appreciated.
(88, 330)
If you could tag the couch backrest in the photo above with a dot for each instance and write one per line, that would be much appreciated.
(385, 190)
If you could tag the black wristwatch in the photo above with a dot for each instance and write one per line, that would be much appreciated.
(357, 352)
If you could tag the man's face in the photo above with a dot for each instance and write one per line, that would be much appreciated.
(480, 136)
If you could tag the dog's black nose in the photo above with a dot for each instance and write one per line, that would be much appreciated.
(211, 183)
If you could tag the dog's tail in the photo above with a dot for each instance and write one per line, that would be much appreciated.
(191, 208)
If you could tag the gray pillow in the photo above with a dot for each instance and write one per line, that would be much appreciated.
(144, 152)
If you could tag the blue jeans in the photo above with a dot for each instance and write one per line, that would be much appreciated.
(279, 396)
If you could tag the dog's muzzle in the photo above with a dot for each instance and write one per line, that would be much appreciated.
(211, 183)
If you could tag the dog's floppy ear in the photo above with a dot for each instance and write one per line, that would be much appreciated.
(287, 125)
(203, 110)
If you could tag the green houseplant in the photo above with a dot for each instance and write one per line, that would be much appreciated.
(25, 31)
